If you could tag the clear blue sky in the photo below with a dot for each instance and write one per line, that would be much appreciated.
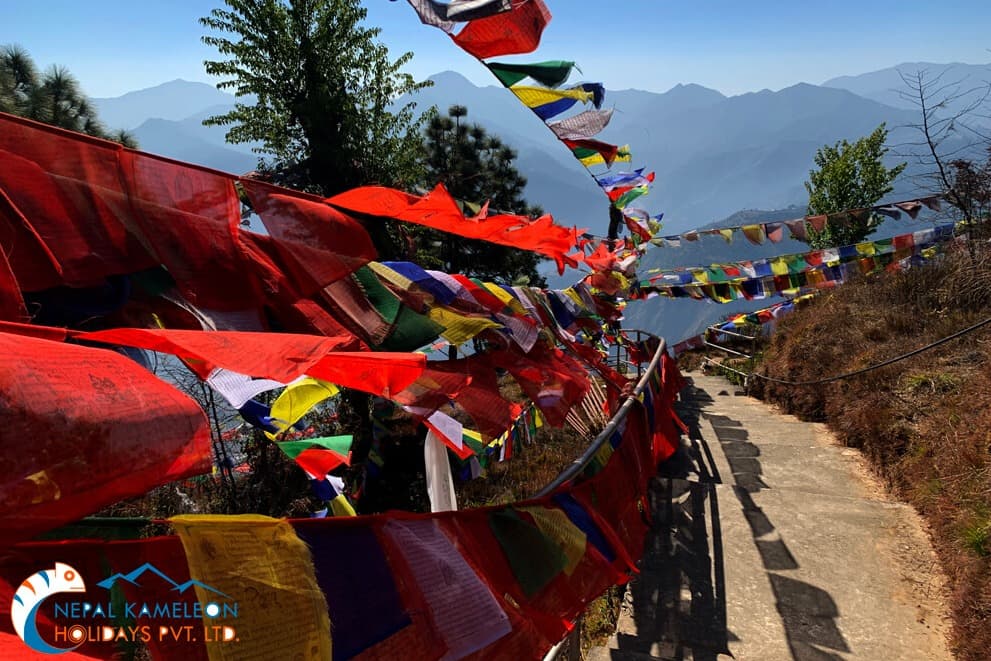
(114, 46)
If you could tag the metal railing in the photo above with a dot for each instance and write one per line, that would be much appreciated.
(715, 332)
(581, 462)
(572, 642)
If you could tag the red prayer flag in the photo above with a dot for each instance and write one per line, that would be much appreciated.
(318, 243)
(510, 33)
(439, 211)
(85, 428)
(68, 188)
(277, 356)
(11, 303)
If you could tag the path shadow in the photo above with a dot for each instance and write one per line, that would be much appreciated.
(807, 612)
(679, 598)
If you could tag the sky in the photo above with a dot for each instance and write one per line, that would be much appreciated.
(113, 46)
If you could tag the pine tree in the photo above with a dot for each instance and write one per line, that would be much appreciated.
(475, 167)
(52, 97)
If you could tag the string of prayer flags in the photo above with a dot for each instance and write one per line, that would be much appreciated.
(738, 321)
(798, 227)
(799, 262)
(525, 24)
(830, 272)
(526, 569)
(768, 314)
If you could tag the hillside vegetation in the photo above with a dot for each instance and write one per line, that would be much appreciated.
(924, 423)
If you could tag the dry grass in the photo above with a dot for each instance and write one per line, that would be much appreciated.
(924, 422)
(529, 470)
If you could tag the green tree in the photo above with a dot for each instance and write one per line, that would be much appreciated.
(475, 166)
(52, 97)
(323, 92)
(318, 91)
(850, 176)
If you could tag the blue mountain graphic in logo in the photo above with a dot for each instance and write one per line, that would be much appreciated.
(133, 576)
(191, 582)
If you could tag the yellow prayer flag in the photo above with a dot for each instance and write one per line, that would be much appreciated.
(556, 525)
(624, 156)
(866, 249)
(573, 295)
(754, 233)
(341, 507)
(261, 565)
(511, 301)
(779, 266)
(297, 400)
(532, 97)
(459, 328)
(390, 275)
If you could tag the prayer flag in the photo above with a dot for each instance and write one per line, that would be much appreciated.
(297, 400)
(257, 559)
(318, 456)
(551, 73)
(447, 15)
(99, 427)
(583, 125)
(507, 33)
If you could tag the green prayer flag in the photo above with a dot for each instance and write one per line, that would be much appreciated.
(384, 301)
(412, 330)
(534, 558)
(629, 196)
(339, 444)
(551, 73)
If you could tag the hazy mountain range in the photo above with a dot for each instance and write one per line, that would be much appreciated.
(714, 155)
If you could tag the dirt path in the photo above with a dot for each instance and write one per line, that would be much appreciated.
(770, 541)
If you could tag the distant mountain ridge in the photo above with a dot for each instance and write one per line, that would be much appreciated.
(174, 100)
(713, 155)
(886, 85)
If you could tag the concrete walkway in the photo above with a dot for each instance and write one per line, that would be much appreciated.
(770, 541)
